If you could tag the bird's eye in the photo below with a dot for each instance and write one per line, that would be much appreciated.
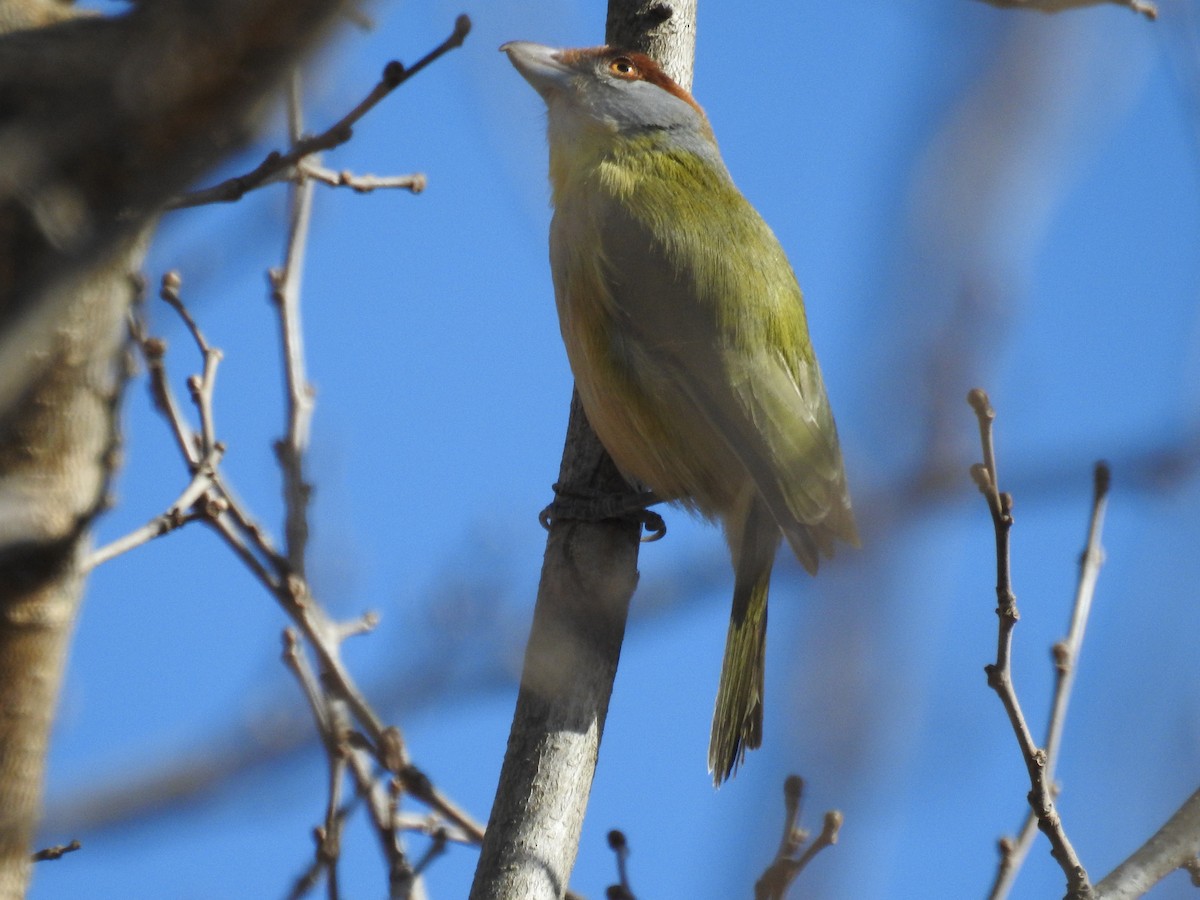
(622, 67)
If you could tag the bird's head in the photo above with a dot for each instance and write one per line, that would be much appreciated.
(607, 90)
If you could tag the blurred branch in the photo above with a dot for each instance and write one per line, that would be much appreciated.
(999, 673)
(277, 166)
(352, 733)
(104, 119)
(620, 848)
(986, 187)
(789, 860)
(1174, 846)
(58, 851)
(475, 656)
(1144, 7)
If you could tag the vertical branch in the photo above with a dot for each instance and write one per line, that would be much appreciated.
(793, 857)
(356, 740)
(285, 285)
(1066, 651)
(588, 577)
(999, 673)
(1066, 657)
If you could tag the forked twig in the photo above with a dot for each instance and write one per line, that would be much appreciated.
(278, 166)
(999, 673)
(356, 741)
(1066, 658)
(793, 856)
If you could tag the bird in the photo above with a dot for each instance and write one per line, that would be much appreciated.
(685, 330)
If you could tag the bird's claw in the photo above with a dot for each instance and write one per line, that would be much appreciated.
(655, 527)
(588, 506)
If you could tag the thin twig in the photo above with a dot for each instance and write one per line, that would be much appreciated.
(225, 513)
(285, 292)
(999, 673)
(328, 709)
(355, 739)
(363, 184)
(202, 452)
(402, 878)
(437, 846)
(1066, 658)
(431, 825)
(620, 848)
(322, 633)
(792, 857)
(1142, 7)
(277, 166)
(332, 728)
(58, 851)
(202, 386)
(178, 514)
(153, 352)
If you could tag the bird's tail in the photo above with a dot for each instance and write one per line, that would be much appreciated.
(738, 717)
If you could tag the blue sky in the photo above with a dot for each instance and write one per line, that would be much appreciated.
(969, 197)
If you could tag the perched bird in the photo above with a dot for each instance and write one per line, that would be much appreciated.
(686, 333)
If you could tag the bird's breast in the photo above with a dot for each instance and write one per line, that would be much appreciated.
(635, 393)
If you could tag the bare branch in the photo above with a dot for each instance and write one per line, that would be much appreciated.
(277, 166)
(1143, 7)
(1066, 658)
(355, 738)
(1174, 846)
(789, 861)
(332, 728)
(58, 851)
(620, 848)
(202, 386)
(363, 184)
(999, 673)
(178, 514)
(285, 292)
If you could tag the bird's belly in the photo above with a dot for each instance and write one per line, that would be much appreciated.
(652, 429)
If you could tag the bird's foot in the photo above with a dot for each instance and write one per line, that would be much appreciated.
(593, 506)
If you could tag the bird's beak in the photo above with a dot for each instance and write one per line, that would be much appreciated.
(541, 66)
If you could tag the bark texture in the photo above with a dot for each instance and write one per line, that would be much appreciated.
(57, 450)
(588, 577)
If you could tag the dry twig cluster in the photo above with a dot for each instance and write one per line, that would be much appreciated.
(362, 751)
(1177, 844)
